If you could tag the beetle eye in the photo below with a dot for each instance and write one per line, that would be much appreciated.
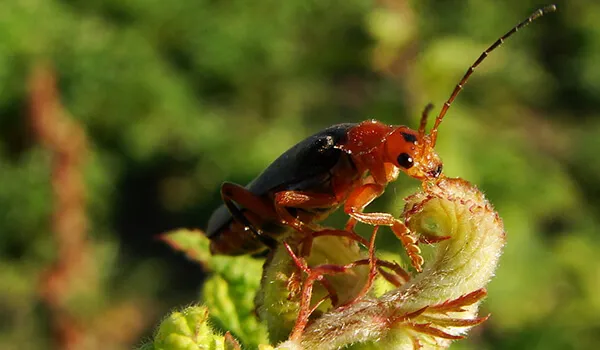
(405, 160)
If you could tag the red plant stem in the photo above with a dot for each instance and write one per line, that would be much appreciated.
(66, 142)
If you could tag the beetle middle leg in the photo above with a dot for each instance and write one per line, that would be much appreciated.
(363, 196)
(302, 200)
(399, 275)
(318, 274)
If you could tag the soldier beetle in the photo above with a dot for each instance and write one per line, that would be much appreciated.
(345, 165)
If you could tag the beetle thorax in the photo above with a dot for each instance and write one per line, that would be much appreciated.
(366, 137)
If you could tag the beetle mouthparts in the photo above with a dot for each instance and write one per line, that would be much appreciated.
(436, 173)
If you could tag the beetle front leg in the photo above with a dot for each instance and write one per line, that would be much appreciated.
(363, 196)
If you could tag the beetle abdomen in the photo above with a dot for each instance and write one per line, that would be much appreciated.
(308, 166)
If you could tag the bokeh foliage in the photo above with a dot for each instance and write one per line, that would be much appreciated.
(178, 96)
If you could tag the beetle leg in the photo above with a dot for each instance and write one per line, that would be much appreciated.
(301, 200)
(318, 274)
(372, 270)
(398, 279)
(315, 274)
(431, 239)
(305, 200)
(363, 196)
(340, 233)
(247, 199)
(350, 235)
(231, 193)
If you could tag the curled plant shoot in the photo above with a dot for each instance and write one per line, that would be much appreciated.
(426, 310)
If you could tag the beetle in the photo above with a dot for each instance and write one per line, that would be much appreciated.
(315, 177)
(345, 165)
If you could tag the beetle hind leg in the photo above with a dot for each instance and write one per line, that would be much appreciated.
(233, 193)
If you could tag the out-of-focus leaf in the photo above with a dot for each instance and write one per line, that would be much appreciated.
(193, 243)
(229, 292)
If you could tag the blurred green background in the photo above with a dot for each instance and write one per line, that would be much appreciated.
(177, 96)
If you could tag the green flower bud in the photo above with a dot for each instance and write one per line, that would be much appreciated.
(188, 330)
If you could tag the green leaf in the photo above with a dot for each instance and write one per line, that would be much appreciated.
(229, 292)
(193, 243)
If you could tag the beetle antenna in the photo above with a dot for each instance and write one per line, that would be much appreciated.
(423, 123)
(465, 78)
